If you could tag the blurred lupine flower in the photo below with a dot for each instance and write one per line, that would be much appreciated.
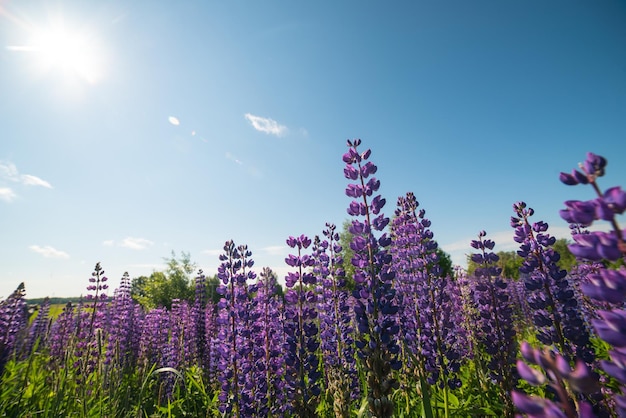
(566, 382)
(38, 332)
(376, 306)
(13, 320)
(60, 335)
(552, 298)
(596, 245)
(603, 285)
(336, 330)
(494, 323)
(302, 339)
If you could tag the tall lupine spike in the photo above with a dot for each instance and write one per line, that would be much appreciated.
(602, 284)
(336, 331)
(198, 314)
(494, 322)
(125, 324)
(269, 339)
(38, 332)
(303, 368)
(236, 350)
(13, 320)
(429, 315)
(556, 314)
(376, 306)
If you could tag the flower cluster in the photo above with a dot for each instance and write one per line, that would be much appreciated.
(494, 323)
(376, 306)
(12, 321)
(566, 382)
(429, 310)
(303, 368)
(335, 322)
(595, 245)
(235, 345)
(602, 284)
(556, 314)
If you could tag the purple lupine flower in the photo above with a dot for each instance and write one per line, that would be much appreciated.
(494, 322)
(38, 332)
(302, 339)
(183, 335)
(336, 331)
(556, 371)
(154, 340)
(61, 332)
(13, 320)
(556, 313)
(124, 326)
(376, 305)
(235, 345)
(430, 305)
(595, 245)
(198, 314)
(269, 340)
(603, 285)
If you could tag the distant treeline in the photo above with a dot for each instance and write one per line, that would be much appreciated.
(53, 301)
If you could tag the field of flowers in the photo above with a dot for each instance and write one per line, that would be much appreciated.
(397, 337)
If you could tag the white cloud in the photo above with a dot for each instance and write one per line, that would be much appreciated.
(269, 126)
(136, 243)
(29, 180)
(173, 120)
(8, 171)
(7, 194)
(108, 243)
(49, 252)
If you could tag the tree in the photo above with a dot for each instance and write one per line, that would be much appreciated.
(162, 287)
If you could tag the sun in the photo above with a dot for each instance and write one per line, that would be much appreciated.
(60, 48)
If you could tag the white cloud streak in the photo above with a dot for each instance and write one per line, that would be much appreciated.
(267, 125)
(7, 194)
(49, 252)
(29, 180)
(173, 120)
(9, 172)
(136, 243)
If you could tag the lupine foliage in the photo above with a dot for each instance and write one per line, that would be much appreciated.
(392, 333)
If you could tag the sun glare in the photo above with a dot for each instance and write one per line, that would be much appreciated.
(69, 51)
(60, 48)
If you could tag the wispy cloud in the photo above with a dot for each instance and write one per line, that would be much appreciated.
(136, 243)
(29, 180)
(108, 243)
(7, 194)
(49, 252)
(9, 172)
(267, 125)
(174, 120)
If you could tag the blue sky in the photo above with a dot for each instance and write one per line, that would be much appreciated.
(131, 129)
